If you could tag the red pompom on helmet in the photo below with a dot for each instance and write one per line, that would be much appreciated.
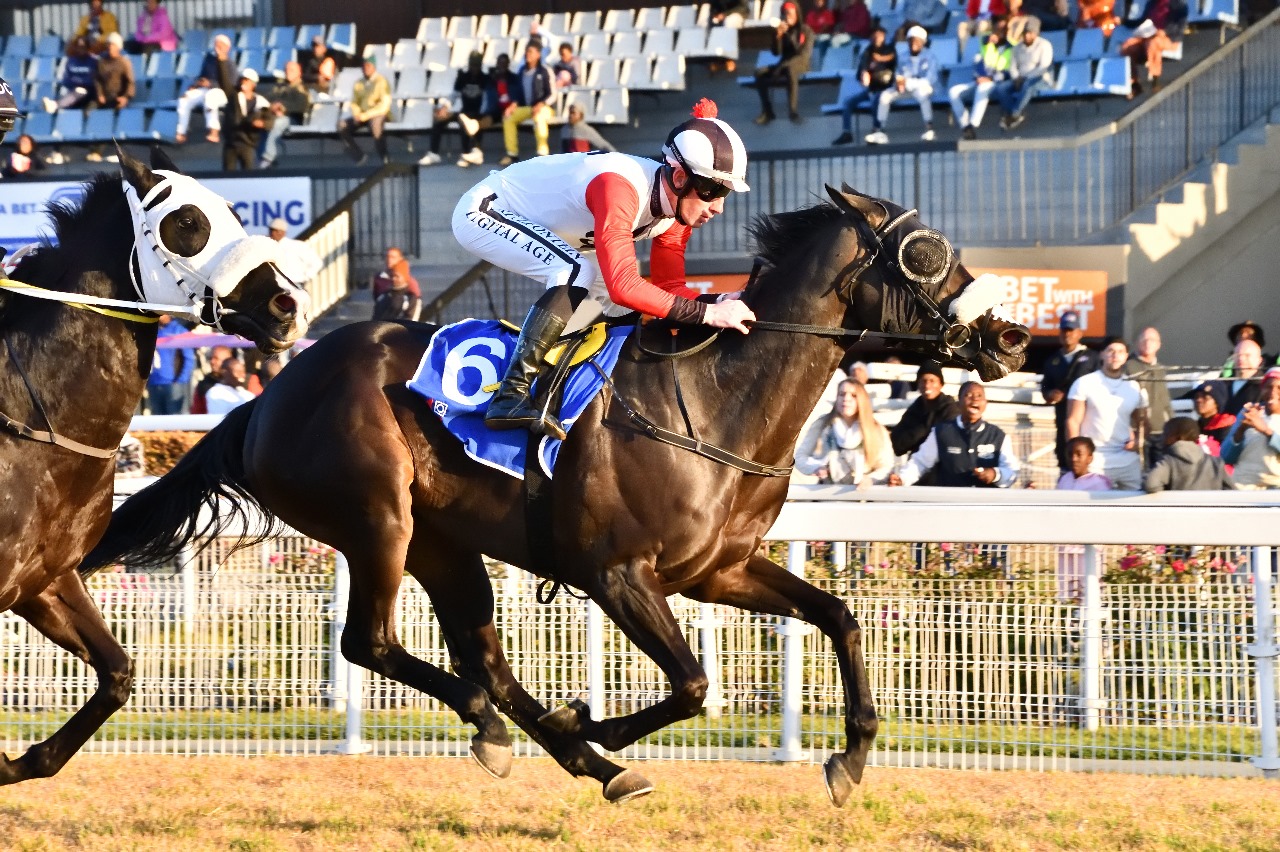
(706, 146)
(705, 108)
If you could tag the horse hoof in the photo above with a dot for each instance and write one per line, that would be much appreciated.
(626, 785)
(567, 719)
(839, 778)
(494, 759)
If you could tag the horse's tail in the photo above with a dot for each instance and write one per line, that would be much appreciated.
(203, 496)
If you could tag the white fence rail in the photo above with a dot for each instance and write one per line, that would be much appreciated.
(1042, 669)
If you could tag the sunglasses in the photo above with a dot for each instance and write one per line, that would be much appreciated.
(707, 189)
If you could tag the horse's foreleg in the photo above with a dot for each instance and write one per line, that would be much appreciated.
(66, 614)
(761, 586)
(462, 597)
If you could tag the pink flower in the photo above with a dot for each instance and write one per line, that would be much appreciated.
(1229, 568)
(945, 547)
(1179, 566)
(1160, 549)
(884, 564)
(276, 558)
(1128, 562)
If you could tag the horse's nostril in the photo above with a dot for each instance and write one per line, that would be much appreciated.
(284, 305)
(1014, 339)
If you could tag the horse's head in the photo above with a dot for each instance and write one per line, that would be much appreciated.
(942, 298)
(192, 249)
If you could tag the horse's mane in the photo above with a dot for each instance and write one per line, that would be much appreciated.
(70, 218)
(777, 234)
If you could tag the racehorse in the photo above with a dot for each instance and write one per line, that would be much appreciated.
(341, 450)
(78, 329)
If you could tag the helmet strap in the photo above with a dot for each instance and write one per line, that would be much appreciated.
(669, 175)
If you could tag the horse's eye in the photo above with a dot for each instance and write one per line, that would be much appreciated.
(187, 222)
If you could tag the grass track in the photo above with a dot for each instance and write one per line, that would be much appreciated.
(154, 803)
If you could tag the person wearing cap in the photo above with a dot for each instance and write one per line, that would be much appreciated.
(465, 109)
(1253, 444)
(113, 84)
(571, 222)
(217, 81)
(1060, 373)
(927, 410)
(370, 104)
(96, 26)
(1032, 71)
(532, 100)
(246, 115)
(290, 102)
(318, 67)
(1112, 410)
(301, 263)
(793, 45)
(1210, 398)
(917, 75)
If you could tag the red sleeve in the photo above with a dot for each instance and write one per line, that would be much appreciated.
(614, 203)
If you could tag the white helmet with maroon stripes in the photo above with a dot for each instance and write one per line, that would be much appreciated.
(707, 146)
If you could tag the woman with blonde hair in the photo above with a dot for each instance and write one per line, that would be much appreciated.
(848, 446)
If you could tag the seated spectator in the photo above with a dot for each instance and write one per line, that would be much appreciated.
(532, 100)
(1016, 22)
(318, 67)
(1253, 444)
(1097, 14)
(153, 32)
(369, 107)
(929, 14)
(113, 85)
(927, 410)
(991, 66)
(230, 391)
(1243, 386)
(1032, 71)
(290, 102)
(216, 82)
(877, 69)
(396, 294)
(822, 21)
(917, 75)
(1153, 34)
(1210, 397)
(24, 161)
(1112, 410)
(96, 26)
(848, 446)
(855, 19)
(793, 45)
(247, 116)
(76, 87)
(859, 373)
(212, 374)
(979, 17)
(576, 136)
(1183, 465)
(302, 263)
(464, 109)
(568, 70)
(1080, 450)
(1053, 15)
(966, 452)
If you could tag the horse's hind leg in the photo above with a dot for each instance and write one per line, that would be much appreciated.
(761, 586)
(463, 601)
(66, 614)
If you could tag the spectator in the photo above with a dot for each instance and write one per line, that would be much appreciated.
(877, 68)
(1097, 14)
(504, 89)
(536, 41)
(318, 68)
(269, 370)
(1247, 364)
(793, 45)
(1080, 450)
(153, 32)
(466, 109)
(1016, 22)
(171, 369)
(1151, 377)
(1149, 41)
(24, 160)
(927, 410)
(859, 373)
(131, 458)
(855, 20)
(966, 452)
(821, 20)
(917, 75)
(1112, 410)
(1249, 330)
(212, 374)
(732, 14)
(370, 104)
(76, 89)
(1060, 373)
(1052, 14)
(214, 85)
(1183, 465)
(1210, 397)
(991, 66)
(230, 391)
(576, 136)
(302, 263)
(568, 70)
(1032, 70)
(113, 85)
(396, 294)
(290, 102)
(97, 26)
(980, 17)
(929, 14)
(1253, 445)
(532, 100)
(247, 114)
(848, 446)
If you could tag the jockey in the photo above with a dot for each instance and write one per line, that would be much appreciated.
(571, 221)
(8, 109)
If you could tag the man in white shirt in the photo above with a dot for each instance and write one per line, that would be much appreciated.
(1112, 410)
(230, 391)
(303, 263)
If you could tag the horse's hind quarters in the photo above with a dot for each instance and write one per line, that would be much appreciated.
(627, 785)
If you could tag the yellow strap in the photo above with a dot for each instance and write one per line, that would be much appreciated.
(11, 284)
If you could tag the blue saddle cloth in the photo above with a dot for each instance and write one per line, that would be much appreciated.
(467, 356)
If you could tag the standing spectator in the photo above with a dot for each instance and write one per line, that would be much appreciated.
(877, 69)
(169, 383)
(113, 85)
(898, 388)
(213, 86)
(269, 370)
(990, 66)
(466, 109)
(1210, 397)
(858, 372)
(1245, 371)
(1253, 444)
(1112, 410)
(302, 263)
(576, 136)
(568, 70)
(370, 104)
(230, 391)
(793, 45)
(153, 32)
(24, 160)
(855, 19)
(1183, 465)
(1151, 376)
(966, 452)
(1060, 373)
(318, 67)
(1080, 478)
(848, 446)
(1032, 71)
(76, 89)
(822, 21)
(290, 102)
(1248, 330)
(917, 75)
(396, 294)
(97, 26)
(927, 410)
(980, 17)
(247, 114)
(532, 100)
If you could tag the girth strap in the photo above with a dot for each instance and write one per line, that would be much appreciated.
(44, 436)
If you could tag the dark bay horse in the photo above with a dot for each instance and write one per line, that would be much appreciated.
(338, 448)
(70, 380)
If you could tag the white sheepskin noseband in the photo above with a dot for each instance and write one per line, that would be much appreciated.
(982, 294)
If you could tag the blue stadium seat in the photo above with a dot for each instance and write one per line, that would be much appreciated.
(1119, 36)
(1217, 11)
(255, 59)
(158, 92)
(1112, 76)
(131, 124)
(99, 125)
(1087, 44)
(19, 45)
(164, 126)
(68, 125)
(276, 60)
(13, 69)
(49, 45)
(252, 38)
(306, 32)
(195, 41)
(946, 50)
(343, 37)
(163, 64)
(40, 90)
(1057, 38)
(42, 68)
(39, 125)
(282, 38)
(1074, 77)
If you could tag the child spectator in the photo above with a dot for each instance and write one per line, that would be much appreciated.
(1184, 466)
(1080, 451)
(568, 69)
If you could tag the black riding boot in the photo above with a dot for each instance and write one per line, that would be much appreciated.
(512, 406)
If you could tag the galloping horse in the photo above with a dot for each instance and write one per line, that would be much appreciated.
(78, 332)
(340, 449)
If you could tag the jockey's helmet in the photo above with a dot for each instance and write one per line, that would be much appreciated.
(709, 149)
(8, 109)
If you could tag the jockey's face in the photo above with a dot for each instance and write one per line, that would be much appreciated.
(691, 208)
